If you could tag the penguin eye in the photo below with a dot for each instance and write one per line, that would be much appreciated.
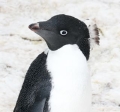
(63, 32)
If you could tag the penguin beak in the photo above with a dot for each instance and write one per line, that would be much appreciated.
(34, 27)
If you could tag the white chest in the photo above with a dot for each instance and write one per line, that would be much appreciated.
(71, 90)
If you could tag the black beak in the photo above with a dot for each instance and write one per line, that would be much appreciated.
(34, 27)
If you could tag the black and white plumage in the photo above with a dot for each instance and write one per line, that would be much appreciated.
(36, 87)
(58, 81)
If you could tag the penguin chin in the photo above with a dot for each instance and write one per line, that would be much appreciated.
(53, 40)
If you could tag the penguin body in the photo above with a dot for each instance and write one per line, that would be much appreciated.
(71, 88)
(59, 80)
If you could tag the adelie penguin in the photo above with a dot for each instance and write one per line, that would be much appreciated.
(59, 80)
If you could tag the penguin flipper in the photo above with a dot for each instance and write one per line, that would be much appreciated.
(38, 106)
(36, 88)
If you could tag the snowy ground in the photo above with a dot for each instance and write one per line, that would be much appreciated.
(19, 46)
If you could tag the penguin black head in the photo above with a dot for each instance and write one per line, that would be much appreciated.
(61, 30)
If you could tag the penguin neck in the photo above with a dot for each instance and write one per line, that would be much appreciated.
(68, 52)
(69, 57)
(84, 46)
(66, 49)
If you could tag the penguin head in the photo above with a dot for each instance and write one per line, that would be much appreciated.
(61, 30)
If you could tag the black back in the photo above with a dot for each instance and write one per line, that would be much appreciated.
(36, 88)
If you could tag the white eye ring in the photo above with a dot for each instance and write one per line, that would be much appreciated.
(63, 32)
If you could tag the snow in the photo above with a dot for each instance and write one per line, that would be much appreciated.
(19, 46)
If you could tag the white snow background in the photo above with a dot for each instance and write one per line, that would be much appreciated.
(19, 46)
